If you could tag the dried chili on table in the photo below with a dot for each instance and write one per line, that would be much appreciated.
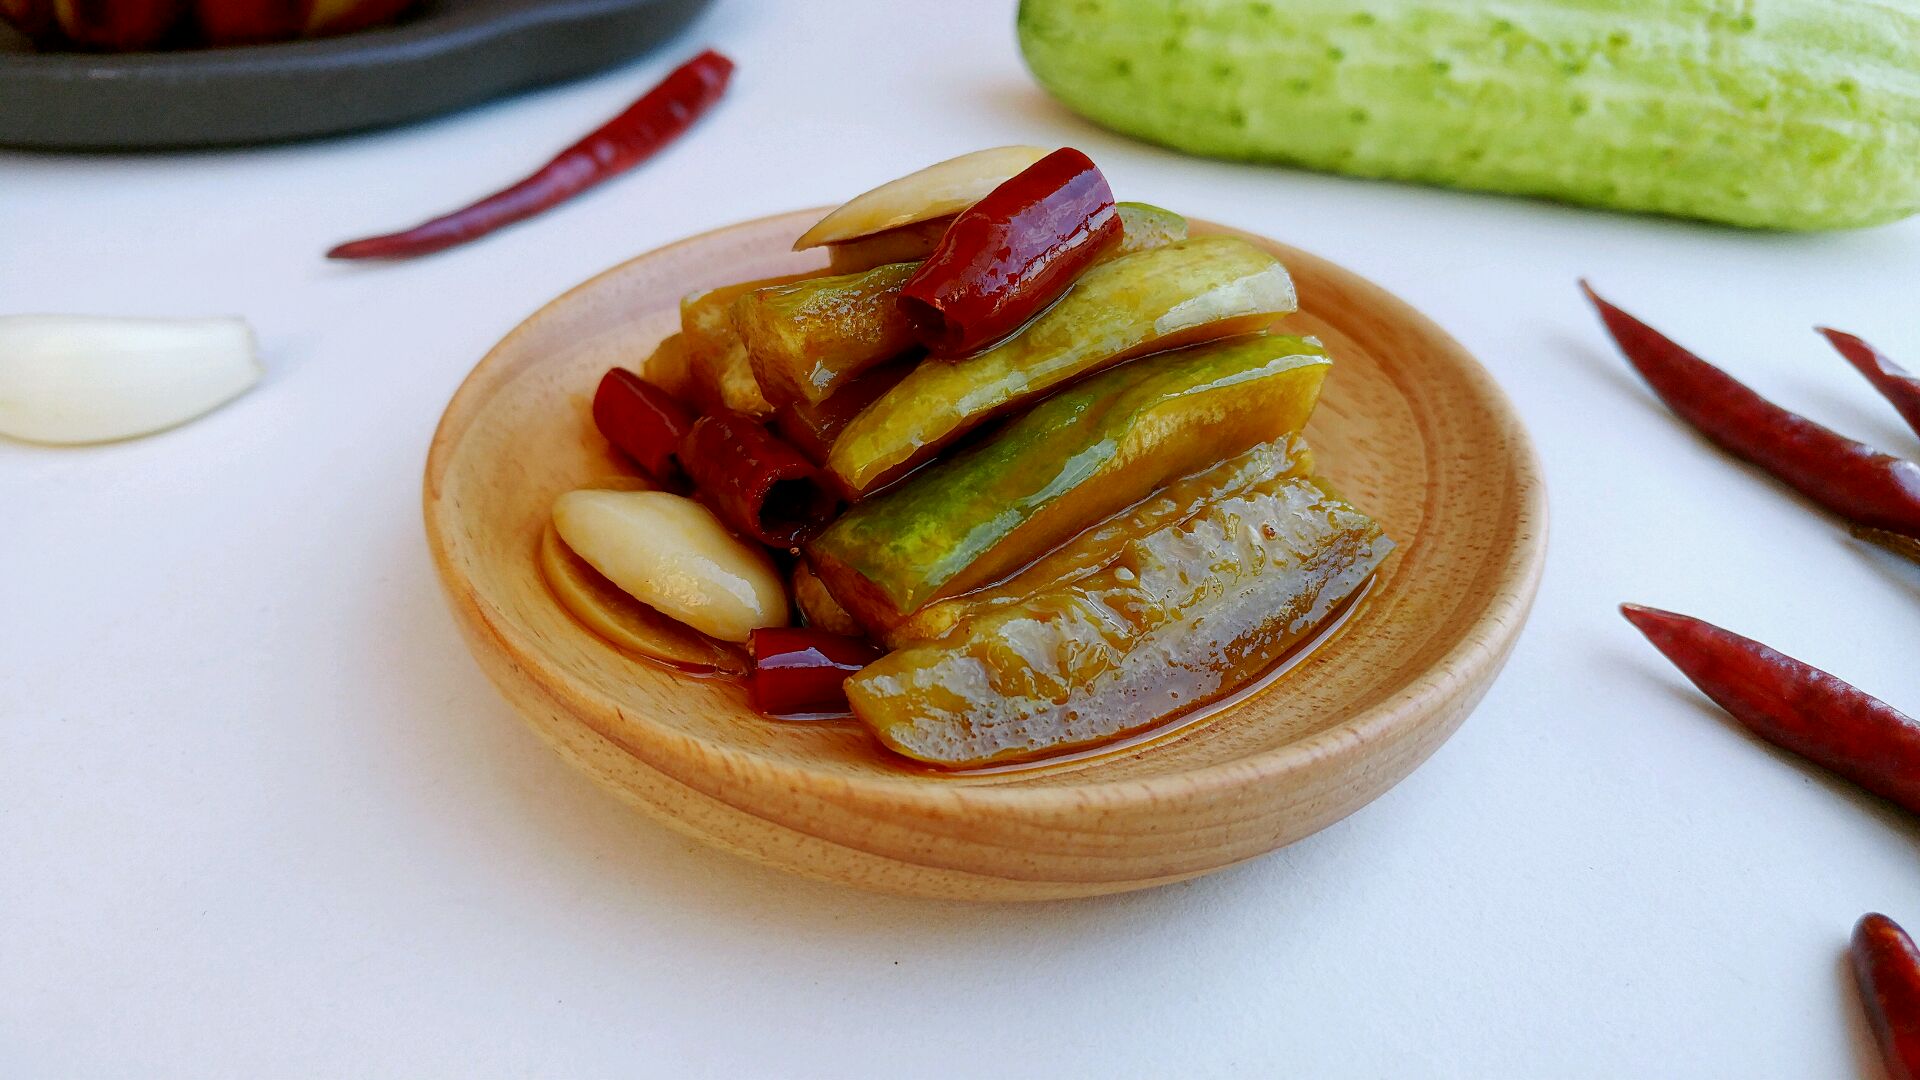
(659, 117)
(1008, 256)
(1793, 705)
(1886, 965)
(1855, 481)
(755, 482)
(1895, 383)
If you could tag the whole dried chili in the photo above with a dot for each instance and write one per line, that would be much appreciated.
(1792, 705)
(756, 483)
(1894, 382)
(801, 672)
(659, 117)
(1861, 484)
(1887, 967)
(644, 421)
(1011, 254)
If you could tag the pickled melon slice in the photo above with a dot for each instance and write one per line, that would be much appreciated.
(1191, 291)
(1076, 459)
(1184, 616)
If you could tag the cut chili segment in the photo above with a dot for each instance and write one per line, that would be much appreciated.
(1851, 479)
(1886, 965)
(1895, 383)
(800, 672)
(1008, 256)
(644, 421)
(755, 482)
(659, 117)
(1793, 705)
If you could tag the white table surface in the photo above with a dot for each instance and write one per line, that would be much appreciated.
(260, 815)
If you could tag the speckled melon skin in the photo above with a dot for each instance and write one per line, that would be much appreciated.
(1782, 114)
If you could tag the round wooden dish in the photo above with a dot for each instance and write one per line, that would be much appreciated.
(1411, 428)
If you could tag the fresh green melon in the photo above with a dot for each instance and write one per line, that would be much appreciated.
(1784, 114)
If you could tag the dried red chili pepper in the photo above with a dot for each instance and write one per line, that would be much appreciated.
(757, 484)
(1887, 967)
(1851, 479)
(800, 672)
(660, 116)
(1895, 383)
(644, 421)
(1011, 254)
(1792, 705)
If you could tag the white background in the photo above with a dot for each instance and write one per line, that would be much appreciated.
(261, 816)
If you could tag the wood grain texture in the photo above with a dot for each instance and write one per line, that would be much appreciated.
(1411, 428)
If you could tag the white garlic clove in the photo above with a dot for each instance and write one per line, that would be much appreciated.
(608, 611)
(69, 379)
(672, 554)
(935, 191)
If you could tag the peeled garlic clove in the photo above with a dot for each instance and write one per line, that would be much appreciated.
(608, 611)
(672, 554)
(935, 191)
(84, 379)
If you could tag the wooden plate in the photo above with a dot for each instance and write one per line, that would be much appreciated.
(1411, 428)
(447, 55)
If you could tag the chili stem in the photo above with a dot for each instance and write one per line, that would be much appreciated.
(1894, 542)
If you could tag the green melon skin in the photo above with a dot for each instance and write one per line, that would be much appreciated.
(1780, 114)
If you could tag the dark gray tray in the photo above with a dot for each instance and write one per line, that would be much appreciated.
(449, 54)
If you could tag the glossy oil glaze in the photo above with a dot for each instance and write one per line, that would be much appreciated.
(1178, 724)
